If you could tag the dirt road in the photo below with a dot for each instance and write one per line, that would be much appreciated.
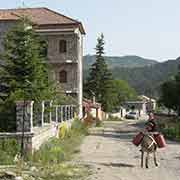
(112, 156)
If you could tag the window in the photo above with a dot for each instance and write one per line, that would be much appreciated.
(43, 48)
(63, 76)
(62, 46)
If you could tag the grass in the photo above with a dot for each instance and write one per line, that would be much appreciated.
(53, 156)
(53, 160)
(8, 149)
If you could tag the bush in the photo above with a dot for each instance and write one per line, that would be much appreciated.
(7, 117)
(79, 127)
(8, 149)
(171, 129)
(112, 118)
(51, 152)
(59, 150)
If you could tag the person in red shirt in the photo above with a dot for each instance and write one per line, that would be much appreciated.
(151, 125)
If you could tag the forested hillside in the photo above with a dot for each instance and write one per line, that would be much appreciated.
(146, 80)
(123, 61)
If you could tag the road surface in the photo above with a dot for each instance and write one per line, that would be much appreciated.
(112, 156)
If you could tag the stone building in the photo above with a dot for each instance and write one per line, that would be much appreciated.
(64, 38)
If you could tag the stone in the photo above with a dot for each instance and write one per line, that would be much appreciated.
(18, 178)
(33, 168)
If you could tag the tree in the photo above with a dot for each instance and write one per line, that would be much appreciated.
(23, 64)
(169, 95)
(119, 92)
(99, 78)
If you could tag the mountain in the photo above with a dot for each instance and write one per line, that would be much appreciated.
(147, 80)
(144, 75)
(122, 61)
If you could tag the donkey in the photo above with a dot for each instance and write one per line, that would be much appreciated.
(148, 145)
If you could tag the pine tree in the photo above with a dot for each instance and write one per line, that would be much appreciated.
(98, 82)
(23, 67)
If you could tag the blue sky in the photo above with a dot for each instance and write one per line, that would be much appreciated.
(147, 28)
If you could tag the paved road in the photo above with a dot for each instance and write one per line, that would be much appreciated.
(113, 157)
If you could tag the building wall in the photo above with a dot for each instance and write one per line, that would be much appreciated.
(71, 61)
(54, 56)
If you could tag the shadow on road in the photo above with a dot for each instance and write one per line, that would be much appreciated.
(118, 165)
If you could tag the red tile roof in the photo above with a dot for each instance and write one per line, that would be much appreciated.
(39, 16)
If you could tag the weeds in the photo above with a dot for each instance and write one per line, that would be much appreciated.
(8, 149)
(51, 161)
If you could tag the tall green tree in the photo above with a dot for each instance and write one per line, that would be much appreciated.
(23, 66)
(169, 95)
(23, 71)
(170, 91)
(98, 82)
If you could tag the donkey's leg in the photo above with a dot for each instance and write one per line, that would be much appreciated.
(155, 160)
(147, 159)
(142, 158)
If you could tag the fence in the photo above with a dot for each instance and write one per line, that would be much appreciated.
(39, 121)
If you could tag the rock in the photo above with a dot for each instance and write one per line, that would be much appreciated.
(33, 168)
(18, 178)
(9, 174)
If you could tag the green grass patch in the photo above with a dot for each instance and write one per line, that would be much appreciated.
(8, 149)
(53, 160)
(53, 155)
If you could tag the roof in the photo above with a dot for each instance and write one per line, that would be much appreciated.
(143, 97)
(39, 16)
(134, 102)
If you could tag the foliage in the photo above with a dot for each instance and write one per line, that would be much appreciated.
(7, 117)
(145, 80)
(59, 150)
(122, 91)
(119, 61)
(24, 72)
(171, 128)
(8, 149)
(170, 93)
(24, 69)
(98, 82)
(113, 118)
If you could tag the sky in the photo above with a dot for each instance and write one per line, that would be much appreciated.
(147, 28)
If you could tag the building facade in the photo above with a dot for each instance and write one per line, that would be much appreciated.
(64, 37)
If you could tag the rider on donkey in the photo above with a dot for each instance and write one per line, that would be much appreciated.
(152, 128)
(151, 125)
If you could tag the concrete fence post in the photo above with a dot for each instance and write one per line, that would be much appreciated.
(56, 114)
(25, 107)
(50, 112)
(42, 113)
(61, 107)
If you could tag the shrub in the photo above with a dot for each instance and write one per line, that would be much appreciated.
(8, 149)
(61, 149)
(113, 118)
